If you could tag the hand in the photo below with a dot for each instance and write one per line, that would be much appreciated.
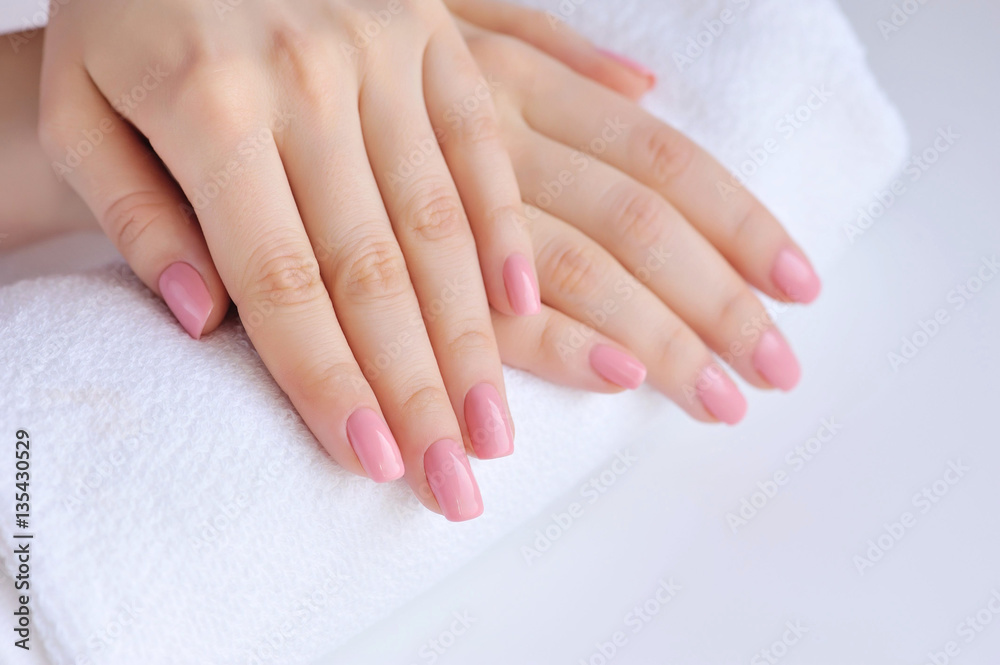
(632, 234)
(305, 134)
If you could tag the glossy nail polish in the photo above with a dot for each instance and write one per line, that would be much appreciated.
(186, 295)
(450, 478)
(375, 446)
(636, 67)
(795, 277)
(720, 396)
(486, 420)
(773, 359)
(617, 366)
(521, 285)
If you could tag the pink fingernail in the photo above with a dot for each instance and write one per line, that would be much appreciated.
(450, 478)
(774, 360)
(186, 295)
(639, 69)
(522, 287)
(486, 419)
(375, 446)
(795, 277)
(721, 396)
(617, 366)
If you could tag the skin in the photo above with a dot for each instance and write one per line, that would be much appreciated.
(591, 245)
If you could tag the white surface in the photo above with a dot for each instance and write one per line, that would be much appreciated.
(138, 372)
(794, 561)
(665, 517)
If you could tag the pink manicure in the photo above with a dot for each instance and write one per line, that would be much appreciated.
(375, 446)
(793, 275)
(451, 480)
(186, 295)
(486, 419)
(522, 287)
(774, 360)
(617, 367)
(639, 69)
(720, 395)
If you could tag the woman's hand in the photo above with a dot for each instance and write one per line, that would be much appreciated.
(326, 148)
(633, 234)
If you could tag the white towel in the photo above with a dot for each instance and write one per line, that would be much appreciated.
(181, 511)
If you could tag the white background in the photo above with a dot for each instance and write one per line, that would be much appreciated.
(665, 518)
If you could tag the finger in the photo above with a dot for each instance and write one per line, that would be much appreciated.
(582, 115)
(547, 32)
(582, 280)
(430, 224)
(137, 204)
(366, 276)
(561, 350)
(657, 245)
(460, 106)
(264, 256)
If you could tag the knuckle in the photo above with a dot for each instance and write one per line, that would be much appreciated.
(471, 341)
(739, 305)
(506, 217)
(664, 151)
(638, 215)
(285, 278)
(215, 97)
(130, 218)
(675, 344)
(303, 62)
(478, 128)
(426, 399)
(746, 225)
(509, 58)
(329, 383)
(375, 270)
(575, 270)
(552, 340)
(436, 213)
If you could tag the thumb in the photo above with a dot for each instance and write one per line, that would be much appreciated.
(136, 202)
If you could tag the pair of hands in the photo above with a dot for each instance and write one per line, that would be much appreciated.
(356, 171)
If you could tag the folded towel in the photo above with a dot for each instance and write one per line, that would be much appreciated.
(181, 510)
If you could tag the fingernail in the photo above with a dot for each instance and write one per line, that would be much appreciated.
(795, 277)
(639, 69)
(721, 396)
(486, 419)
(186, 295)
(375, 446)
(774, 360)
(617, 366)
(450, 478)
(522, 287)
